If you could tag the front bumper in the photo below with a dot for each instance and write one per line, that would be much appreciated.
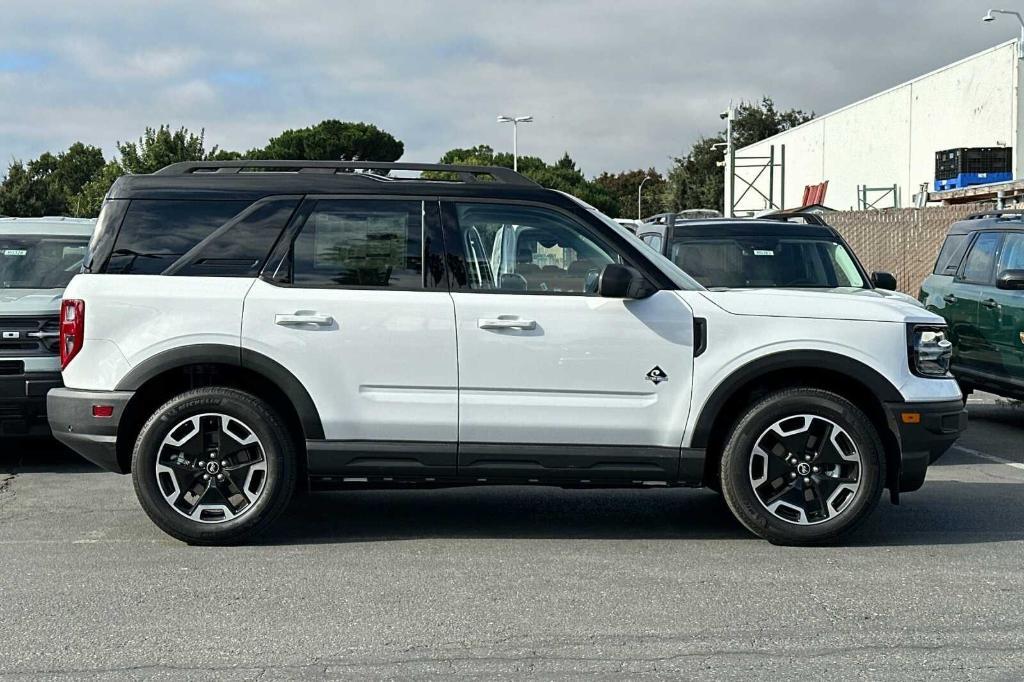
(23, 403)
(70, 413)
(924, 431)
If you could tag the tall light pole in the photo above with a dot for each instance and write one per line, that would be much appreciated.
(1020, 42)
(639, 196)
(730, 156)
(515, 121)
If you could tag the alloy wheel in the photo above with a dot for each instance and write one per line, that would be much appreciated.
(805, 469)
(211, 468)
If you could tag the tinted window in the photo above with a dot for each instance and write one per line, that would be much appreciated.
(951, 254)
(155, 233)
(239, 246)
(765, 261)
(40, 262)
(360, 244)
(980, 261)
(1013, 253)
(525, 249)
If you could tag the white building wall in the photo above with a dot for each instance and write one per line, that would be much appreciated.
(891, 138)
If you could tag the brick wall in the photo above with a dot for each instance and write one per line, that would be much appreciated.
(902, 241)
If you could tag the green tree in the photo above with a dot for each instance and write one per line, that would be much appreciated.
(562, 175)
(697, 181)
(87, 202)
(159, 147)
(333, 140)
(623, 187)
(45, 186)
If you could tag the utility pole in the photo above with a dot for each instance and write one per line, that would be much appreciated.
(639, 196)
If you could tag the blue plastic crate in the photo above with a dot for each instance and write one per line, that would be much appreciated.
(969, 179)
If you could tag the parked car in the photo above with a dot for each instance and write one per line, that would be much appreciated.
(798, 251)
(38, 257)
(243, 326)
(977, 285)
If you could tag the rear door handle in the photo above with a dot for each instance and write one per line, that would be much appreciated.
(990, 303)
(506, 322)
(949, 298)
(301, 319)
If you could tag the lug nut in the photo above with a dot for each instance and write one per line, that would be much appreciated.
(792, 475)
(223, 462)
(206, 477)
(220, 477)
(815, 469)
(807, 458)
(807, 481)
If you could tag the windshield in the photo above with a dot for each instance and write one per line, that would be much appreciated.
(767, 261)
(40, 262)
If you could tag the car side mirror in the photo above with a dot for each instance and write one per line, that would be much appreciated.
(620, 281)
(884, 280)
(1011, 279)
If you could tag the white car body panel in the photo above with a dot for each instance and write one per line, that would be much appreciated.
(384, 369)
(140, 316)
(580, 376)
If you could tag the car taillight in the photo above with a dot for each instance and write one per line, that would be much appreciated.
(72, 329)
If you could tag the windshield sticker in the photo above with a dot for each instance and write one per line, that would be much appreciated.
(15, 252)
(763, 252)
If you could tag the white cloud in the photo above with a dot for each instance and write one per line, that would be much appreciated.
(617, 84)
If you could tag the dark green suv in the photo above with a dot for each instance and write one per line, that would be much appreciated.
(978, 286)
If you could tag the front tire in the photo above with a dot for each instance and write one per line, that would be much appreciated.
(802, 466)
(214, 466)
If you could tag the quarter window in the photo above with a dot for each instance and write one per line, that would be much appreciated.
(526, 249)
(356, 243)
(982, 258)
(951, 254)
(156, 233)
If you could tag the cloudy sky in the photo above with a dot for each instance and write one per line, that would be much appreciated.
(619, 84)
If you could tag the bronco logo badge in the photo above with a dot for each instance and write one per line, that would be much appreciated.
(657, 375)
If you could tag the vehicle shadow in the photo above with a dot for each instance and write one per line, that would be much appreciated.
(27, 455)
(942, 513)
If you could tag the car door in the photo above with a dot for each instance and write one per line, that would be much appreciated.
(963, 299)
(355, 305)
(555, 381)
(1001, 316)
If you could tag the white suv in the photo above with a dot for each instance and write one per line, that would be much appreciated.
(242, 329)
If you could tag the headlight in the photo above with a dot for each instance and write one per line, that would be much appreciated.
(930, 350)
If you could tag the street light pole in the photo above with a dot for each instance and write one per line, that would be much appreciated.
(639, 196)
(1020, 41)
(515, 121)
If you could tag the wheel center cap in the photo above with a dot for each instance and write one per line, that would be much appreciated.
(212, 468)
(803, 468)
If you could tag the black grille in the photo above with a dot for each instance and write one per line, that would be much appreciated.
(11, 367)
(29, 336)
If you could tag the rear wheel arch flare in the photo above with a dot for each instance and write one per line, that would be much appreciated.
(175, 371)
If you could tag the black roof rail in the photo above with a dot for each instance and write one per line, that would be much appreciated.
(465, 173)
(995, 213)
(810, 218)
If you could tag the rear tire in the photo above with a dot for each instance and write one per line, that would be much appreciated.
(802, 466)
(214, 466)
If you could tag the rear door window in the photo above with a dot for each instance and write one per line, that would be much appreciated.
(1012, 257)
(360, 243)
(980, 263)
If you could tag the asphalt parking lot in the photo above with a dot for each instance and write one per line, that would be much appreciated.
(514, 581)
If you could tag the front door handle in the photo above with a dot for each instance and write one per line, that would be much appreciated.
(504, 322)
(949, 298)
(990, 303)
(301, 319)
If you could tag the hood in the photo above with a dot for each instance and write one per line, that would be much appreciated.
(877, 293)
(30, 301)
(823, 304)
